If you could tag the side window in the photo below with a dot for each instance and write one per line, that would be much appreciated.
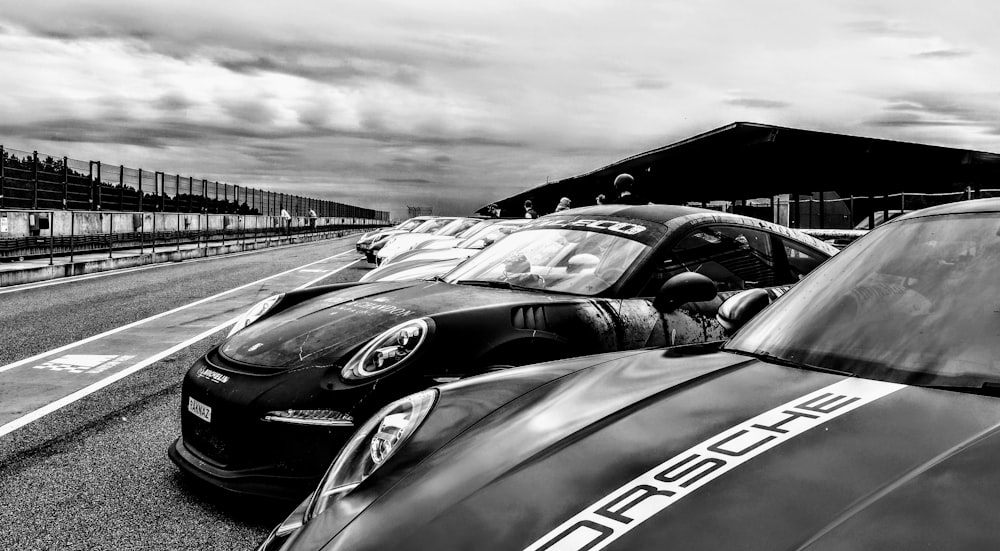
(801, 260)
(735, 258)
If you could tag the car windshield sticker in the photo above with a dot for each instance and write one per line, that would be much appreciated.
(614, 226)
(636, 502)
(640, 230)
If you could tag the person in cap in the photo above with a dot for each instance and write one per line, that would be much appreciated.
(625, 187)
(529, 211)
(564, 204)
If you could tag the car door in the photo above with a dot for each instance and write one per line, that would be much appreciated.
(735, 257)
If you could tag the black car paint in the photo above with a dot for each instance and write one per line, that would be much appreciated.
(478, 329)
(922, 451)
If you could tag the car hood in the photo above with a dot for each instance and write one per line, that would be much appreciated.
(439, 242)
(317, 332)
(717, 452)
(417, 269)
(419, 264)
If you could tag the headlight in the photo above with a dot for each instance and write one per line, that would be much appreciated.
(389, 350)
(371, 446)
(254, 313)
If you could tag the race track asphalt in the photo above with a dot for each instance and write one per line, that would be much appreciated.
(95, 474)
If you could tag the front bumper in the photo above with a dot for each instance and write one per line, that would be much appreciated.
(235, 447)
(260, 481)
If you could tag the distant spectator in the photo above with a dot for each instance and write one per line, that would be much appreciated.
(601, 199)
(312, 220)
(286, 220)
(564, 204)
(529, 211)
(494, 210)
(625, 187)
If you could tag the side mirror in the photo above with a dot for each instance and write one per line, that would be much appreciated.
(683, 288)
(736, 311)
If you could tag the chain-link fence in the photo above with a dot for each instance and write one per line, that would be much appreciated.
(29, 180)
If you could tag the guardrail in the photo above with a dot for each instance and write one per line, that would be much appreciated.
(37, 234)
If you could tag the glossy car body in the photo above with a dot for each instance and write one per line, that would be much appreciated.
(431, 260)
(404, 242)
(367, 243)
(860, 411)
(266, 411)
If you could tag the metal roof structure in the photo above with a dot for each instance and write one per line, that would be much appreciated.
(746, 160)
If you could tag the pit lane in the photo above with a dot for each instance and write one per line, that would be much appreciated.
(94, 474)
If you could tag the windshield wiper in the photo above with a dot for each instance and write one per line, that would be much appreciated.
(789, 363)
(496, 284)
(485, 283)
(986, 388)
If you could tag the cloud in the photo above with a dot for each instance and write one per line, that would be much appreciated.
(411, 181)
(451, 105)
(651, 84)
(173, 102)
(891, 28)
(943, 54)
(756, 103)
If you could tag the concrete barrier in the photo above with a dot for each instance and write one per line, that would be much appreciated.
(13, 274)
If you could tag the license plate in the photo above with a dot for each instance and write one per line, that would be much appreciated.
(199, 409)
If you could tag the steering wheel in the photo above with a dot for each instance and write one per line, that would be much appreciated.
(525, 279)
(611, 275)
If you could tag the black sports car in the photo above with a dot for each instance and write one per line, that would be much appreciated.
(861, 411)
(267, 410)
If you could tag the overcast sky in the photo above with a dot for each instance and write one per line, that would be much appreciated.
(453, 104)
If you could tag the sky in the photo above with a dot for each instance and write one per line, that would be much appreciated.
(451, 105)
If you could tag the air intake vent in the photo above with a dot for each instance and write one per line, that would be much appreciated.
(529, 317)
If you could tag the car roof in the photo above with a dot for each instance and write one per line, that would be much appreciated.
(961, 207)
(653, 213)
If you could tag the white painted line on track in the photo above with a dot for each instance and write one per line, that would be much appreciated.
(96, 275)
(162, 314)
(86, 391)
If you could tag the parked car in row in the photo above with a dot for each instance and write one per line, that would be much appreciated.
(267, 410)
(860, 411)
(368, 240)
(404, 242)
(431, 259)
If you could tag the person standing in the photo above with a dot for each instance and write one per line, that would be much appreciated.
(625, 187)
(529, 211)
(286, 220)
(312, 220)
(564, 204)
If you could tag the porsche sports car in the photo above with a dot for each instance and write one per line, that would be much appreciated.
(859, 411)
(427, 262)
(368, 239)
(403, 242)
(485, 226)
(266, 411)
(431, 224)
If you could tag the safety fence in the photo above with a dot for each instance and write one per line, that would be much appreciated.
(29, 180)
(39, 234)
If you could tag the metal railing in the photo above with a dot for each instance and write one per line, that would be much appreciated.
(829, 211)
(68, 234)
(29, 180)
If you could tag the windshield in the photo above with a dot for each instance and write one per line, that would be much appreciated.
(554, 259)
(410, 224)
(456, 226)
(432, 225)
(488, 235)
(474, 229)
(915, 302)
